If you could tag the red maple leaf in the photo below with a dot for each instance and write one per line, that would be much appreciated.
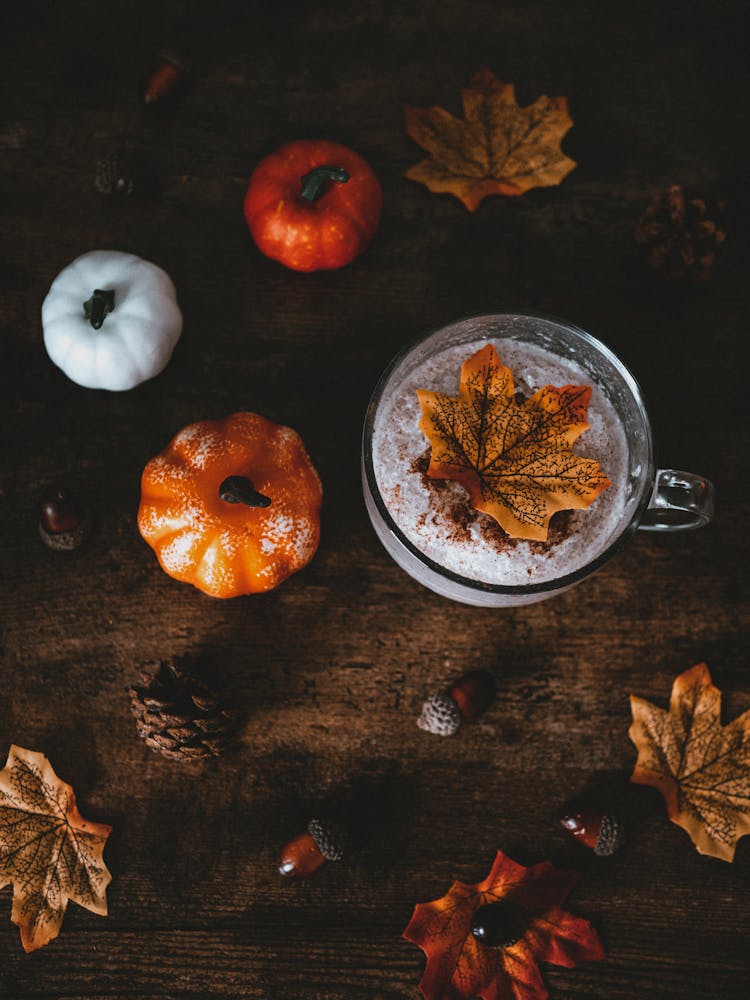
(460, 966)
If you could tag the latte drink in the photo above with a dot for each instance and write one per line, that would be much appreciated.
(429, 525)
(436, 515)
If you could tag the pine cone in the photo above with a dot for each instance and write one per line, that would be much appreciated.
(180, 716)
(681, 234)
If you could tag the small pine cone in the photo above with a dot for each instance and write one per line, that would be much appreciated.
(330, 838)
(180, 716)
(440, 715)
(681, 234)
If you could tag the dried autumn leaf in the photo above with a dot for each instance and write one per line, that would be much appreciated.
(499, 148)
(514, 460)
(459, 966)
(47, 850)
(701, 768)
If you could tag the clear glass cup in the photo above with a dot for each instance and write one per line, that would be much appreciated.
(655, 500)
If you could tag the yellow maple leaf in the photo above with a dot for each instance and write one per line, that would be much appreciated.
(514, 460)
(48, 851)
(701, 768)
(499, 148)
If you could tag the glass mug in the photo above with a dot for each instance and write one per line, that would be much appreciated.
(653, 500)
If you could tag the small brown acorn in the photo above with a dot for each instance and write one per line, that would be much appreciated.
(465, 700)
(499, 925)
(591, 824)
(122, 174)
(116, 175)
(322, 841)
(166, 81)
(64, 520)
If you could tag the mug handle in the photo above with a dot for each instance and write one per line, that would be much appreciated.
(680, 502)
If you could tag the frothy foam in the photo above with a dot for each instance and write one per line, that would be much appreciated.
(437, 517)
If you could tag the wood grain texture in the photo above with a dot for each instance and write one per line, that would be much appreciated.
(331, 668)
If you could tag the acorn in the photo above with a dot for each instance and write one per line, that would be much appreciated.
(592, 825)
(116, 174)
(166, 81)
(122, 174)
(465, 700)
(322, 841)
(499, 925)
(64, 520)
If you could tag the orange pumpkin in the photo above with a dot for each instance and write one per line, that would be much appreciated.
(232, 506)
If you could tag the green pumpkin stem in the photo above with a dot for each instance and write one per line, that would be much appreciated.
(315, 182)
(239, 489)
(96, 308)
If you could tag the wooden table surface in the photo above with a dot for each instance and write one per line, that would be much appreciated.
(331, 668)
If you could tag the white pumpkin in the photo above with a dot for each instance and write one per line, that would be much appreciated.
(111, 320)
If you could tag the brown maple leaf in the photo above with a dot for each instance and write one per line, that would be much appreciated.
(47, 850)
(515, 461)
(701, 768)
(460, 966)
(498, 148)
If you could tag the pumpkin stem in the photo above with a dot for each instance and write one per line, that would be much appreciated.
(97, 307)
(314, 182)
(239, 489)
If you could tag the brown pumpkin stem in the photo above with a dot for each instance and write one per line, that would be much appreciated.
(96, 308)
(315, 182)
(239, 489)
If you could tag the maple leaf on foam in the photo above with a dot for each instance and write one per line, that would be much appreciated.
(514, 460)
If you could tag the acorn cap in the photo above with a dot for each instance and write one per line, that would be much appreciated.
(330, 838)
(66, 541)
(440, 715)
(611, 835)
